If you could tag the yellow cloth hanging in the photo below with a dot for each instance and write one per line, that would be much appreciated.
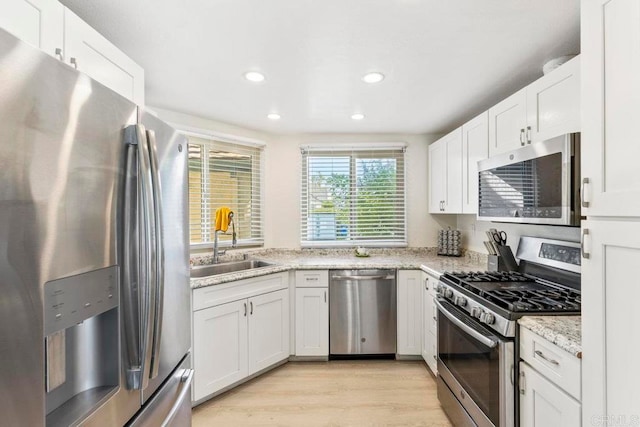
(222, 218)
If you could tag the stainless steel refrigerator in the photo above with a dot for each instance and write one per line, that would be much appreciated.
(94, 276)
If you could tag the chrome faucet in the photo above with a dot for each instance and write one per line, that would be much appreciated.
(234, 241)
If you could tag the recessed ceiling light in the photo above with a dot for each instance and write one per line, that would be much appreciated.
(374, 77)
(273, 116)
(254, 76)
(357, 116)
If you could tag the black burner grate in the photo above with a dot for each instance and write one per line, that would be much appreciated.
(516, 292)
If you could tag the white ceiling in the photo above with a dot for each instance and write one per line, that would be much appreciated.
(445, 60)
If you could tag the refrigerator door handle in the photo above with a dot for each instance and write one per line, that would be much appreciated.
(149, 259)
(130, 271)
(159, 248)
(185, 381)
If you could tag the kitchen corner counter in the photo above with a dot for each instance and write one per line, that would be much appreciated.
(563, 331)
(323, 259)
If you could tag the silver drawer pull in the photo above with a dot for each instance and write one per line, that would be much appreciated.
(311, 279)
(541, 354)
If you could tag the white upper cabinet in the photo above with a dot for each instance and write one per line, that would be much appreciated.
(553, 103)
(548, 107)
(445, 174)
(475, 147)
(38, 22)
(94, 55)
(508, 123)
(611, 102)
(48, 25)
(437, 176)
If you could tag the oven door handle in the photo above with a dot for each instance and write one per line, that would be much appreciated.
(469, 330)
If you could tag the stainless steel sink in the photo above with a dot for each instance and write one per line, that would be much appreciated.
(227, 267)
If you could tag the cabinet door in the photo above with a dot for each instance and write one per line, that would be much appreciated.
(507, 123)
(38, 22)
(553, 103)
(409, 322)
(542, 404)
(101, 60)
(429, 342)
(268, 329)
(610, 340)
(453, 199)
(312, 322)
(611, 106)
(437, 176)
(219, 347)
(475, 147)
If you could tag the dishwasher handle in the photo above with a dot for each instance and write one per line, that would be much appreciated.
(364, 277)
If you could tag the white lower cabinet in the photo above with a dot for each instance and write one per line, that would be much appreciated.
(549, 383)
(542, 404)
(220, 347)
(235, 339)
(268, 329)
(409, 321)
(312, 321)
(429, 322)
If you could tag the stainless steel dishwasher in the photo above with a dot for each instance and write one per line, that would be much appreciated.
(362, 312)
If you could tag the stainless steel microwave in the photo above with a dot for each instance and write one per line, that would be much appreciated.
(536, 184)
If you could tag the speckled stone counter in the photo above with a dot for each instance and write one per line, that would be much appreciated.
(326, 259)
(563, 331)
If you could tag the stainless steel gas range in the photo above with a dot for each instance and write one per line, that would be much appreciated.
(477, 330)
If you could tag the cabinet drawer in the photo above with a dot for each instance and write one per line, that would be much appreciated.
(557, 365)
(312, 279)
(240, 289)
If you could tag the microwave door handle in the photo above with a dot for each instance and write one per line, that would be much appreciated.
(130, 272)
(466, 328)
(149, 260)
(159, 248)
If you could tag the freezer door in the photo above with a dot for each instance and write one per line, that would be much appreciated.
(171, 405)
(171, 323)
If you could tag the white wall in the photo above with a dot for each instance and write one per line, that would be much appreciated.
(473, 232)
(282, 162)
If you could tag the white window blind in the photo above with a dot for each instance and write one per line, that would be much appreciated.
(352, 197)
(224, 174)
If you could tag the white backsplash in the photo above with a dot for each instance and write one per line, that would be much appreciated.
(473, 232)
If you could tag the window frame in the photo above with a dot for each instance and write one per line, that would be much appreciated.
(233, 140)
(349, 149)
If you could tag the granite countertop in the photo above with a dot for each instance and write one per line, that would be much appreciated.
(325, 259)
(563, 331)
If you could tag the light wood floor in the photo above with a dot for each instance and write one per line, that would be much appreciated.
(337, 393)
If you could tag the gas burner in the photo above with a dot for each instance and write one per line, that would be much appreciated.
(515, 293)
(490, 276)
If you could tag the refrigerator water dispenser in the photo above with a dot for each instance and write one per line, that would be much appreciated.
(81, 344)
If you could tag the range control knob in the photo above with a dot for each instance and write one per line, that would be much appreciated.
(448, 293)
(460, 301)
(487, 318)
(476, 312)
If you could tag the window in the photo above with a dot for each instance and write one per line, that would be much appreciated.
(224, 174)
(352, 197)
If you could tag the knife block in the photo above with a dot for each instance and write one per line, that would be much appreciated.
(495, 263)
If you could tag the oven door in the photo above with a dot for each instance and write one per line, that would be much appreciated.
(476, 368)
